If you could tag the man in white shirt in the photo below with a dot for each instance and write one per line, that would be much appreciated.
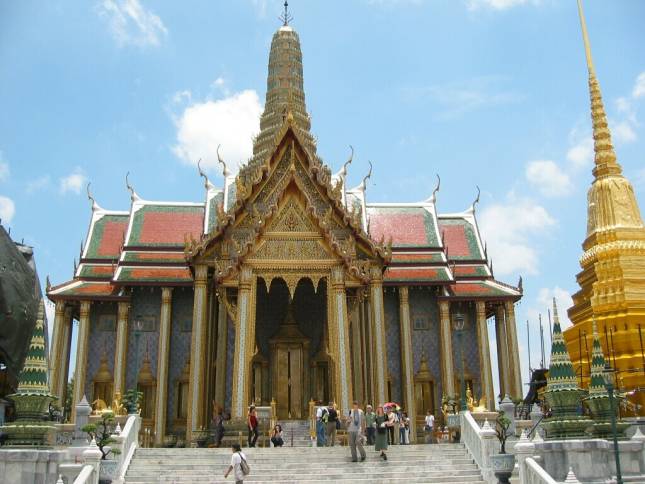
(236, 465)
(429, 427)
(320, 426)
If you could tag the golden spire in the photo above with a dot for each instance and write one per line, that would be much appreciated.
(611, 200)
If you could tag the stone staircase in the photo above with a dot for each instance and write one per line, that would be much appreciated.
(296, 433)
(443, 463)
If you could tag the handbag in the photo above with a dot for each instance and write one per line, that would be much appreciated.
(337, 424)
(244, 466)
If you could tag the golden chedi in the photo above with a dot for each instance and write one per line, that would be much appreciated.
(612, 280)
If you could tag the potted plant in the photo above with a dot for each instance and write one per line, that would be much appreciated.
(131, 400)
(101, 432)
(502, 464)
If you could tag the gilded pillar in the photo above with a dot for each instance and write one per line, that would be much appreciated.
(244, 343)
(56, 359)
(66, 339)
(515, 376)
(340, 335)
(222, 337)
(485, 369)
(447, 362)
(163, 353)
(407, 362)
(81, 356)
(121, 350)
(502, 352)
(378, 325)
(356, 347)
(196, 384)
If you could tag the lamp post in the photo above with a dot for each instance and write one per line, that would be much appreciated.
(608, 376)
(459, 329)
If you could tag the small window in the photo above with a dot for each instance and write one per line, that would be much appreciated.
(421, 323)
(107, 322)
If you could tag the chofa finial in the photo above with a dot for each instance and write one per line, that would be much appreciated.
(367, 177)
(433, 197)
(133, 195)
(207, 184)
(476, 201)
(95, 206)
(225, 170)
(286, 17)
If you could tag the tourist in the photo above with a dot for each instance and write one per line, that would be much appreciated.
(238, 465)
(276, 436)
(429, 428)
(252, 423)
(382, 424)
(404, 429)
(355, 431)
(332, 422)
(391, 431)
(321, 420)
(218, 424)
(370, 416)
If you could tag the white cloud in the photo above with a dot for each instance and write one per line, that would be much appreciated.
(548, 178)
(4, 169)
(639, 86)
(461, 97)
(623, 132)
(581, 153)
(73, 182)
(37, 184)
(510, 230)
(131, 23)
(7, 209)
(498, 4)
(232, 122)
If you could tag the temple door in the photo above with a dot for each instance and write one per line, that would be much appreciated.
(288, 380)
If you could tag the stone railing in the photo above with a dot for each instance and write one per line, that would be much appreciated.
(126, 444)
(534, 474)
(480, 442)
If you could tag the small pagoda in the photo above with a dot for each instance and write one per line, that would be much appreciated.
(563, 395)
(32, 398)
(598, 400)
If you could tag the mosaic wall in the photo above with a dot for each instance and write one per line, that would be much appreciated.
(180, 341)
(424, 319)
(393, 342)
(230, 353)
(145, 306)
(102, 340)
(471, 350)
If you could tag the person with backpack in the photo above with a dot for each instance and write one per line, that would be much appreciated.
(332, 424)
(239, 466)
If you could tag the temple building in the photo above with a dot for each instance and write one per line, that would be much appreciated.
(283, 284)
(612, 280)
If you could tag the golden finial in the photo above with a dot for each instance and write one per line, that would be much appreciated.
(286, 17)
(133, 195)
(585, 38)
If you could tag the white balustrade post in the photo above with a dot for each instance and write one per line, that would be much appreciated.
(639, 437)
(92, 456)
(523, 450)
(488, 435)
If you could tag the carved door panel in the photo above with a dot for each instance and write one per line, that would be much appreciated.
(424, 397)
(288, 381)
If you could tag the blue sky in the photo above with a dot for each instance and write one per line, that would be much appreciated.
(484, 92)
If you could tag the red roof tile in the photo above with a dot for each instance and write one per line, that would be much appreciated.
(170, 228)
(406, 226)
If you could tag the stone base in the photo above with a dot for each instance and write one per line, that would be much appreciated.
(22, 466)
(592, 460)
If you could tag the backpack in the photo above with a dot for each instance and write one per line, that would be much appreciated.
(244, 466)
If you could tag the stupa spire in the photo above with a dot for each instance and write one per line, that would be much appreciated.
(597, 382)
(608, 207)
(285, 97)
(33, 377)
(561, 373)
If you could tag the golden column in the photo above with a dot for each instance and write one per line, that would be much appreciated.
(485, 370)
(407, 361)
(196, 384)
(162, 364)
(340, 336)
(515, 376)
(222, 337)
(121, 350)
(244, 342)
(81, 356)
(66, 340)
(502, 352)
(356, 348)
(56, 356)
(447, 362)
(378, 326)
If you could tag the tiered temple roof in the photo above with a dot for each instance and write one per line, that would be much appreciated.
(145, 246)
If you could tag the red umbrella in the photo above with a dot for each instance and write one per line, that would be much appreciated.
(394, 405)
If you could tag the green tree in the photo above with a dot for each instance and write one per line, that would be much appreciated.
(101, 432)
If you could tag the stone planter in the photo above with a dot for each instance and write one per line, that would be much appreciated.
(502, 462)
(108, 470)
(453, 422)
